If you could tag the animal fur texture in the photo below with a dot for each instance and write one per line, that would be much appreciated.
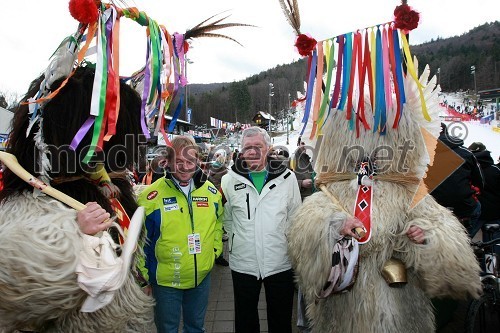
(40, 243)
(444, 266)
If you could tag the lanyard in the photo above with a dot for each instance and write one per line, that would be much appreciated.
(189, 199)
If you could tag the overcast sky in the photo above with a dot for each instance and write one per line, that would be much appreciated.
(30, 31)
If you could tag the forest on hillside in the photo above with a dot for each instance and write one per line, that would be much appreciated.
(454, 56)
(240, 100)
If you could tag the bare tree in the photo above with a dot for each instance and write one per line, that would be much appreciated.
(8, 100)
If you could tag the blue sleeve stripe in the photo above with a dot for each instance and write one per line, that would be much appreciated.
(216, 209)
(153, 223)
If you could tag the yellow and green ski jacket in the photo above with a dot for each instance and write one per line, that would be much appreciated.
(171, 217)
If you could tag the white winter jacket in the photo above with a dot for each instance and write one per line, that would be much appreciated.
(256, 223)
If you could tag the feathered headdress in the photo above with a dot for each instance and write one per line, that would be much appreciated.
(158, 81)
(368, 77)
(372, 60)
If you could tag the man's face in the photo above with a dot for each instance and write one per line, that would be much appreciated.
(184, 164)
(254, 152)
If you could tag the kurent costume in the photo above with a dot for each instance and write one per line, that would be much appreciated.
(78, 121)
(42, 244)
(373, 154)
(168, 259)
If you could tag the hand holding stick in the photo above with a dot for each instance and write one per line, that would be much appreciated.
(361, 232)
(10, 161)
(86, 225)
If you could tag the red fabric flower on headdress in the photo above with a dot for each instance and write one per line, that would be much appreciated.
(405, 18)
(84, 11)
(305, 44)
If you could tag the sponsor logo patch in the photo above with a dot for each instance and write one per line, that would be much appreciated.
(169, 201)
(202, 204)
(239, 186)
(197, 199)
(168, 208)
(152, 195)
(213, 190)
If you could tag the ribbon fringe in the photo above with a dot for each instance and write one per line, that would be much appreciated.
(368, 60)
(160, 78)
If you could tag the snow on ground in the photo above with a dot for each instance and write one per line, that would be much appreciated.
(474, 131)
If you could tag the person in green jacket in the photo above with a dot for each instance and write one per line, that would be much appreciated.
(184, 237)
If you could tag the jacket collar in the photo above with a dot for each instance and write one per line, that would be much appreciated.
(199, 177)
(274, 168)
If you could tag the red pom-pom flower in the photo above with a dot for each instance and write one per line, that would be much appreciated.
(405, 18)
(305, 44)
(84, 11)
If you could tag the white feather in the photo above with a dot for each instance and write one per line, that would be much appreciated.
(61, 64)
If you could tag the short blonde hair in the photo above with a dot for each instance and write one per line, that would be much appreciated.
(182, 142)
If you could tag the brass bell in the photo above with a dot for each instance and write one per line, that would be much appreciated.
(394, 273)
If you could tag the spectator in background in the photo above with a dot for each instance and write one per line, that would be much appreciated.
(490, 195)
(261, 198)
(456, 192)
(156, 170)
(218, 169)
(235, 155)
(282, 156)
(304, 171)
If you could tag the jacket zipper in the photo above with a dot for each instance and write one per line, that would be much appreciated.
(190, 209)
(232, 243)
(248, 205)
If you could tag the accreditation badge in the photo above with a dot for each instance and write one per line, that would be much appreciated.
(194, 243)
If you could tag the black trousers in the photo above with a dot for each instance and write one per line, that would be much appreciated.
(279, 299)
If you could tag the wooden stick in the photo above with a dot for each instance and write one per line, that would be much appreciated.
(359, 231)
(10, 161)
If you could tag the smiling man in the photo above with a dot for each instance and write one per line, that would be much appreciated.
(261, 195)
(184, 229)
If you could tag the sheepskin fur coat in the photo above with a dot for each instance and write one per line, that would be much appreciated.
(40, 243)
(444, 266)
(40, 240)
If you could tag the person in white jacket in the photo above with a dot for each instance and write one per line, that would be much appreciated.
(261, 195)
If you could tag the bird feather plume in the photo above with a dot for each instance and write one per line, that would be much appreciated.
(207, 34)
(291, 10)
(211, 17)
(203, 29)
